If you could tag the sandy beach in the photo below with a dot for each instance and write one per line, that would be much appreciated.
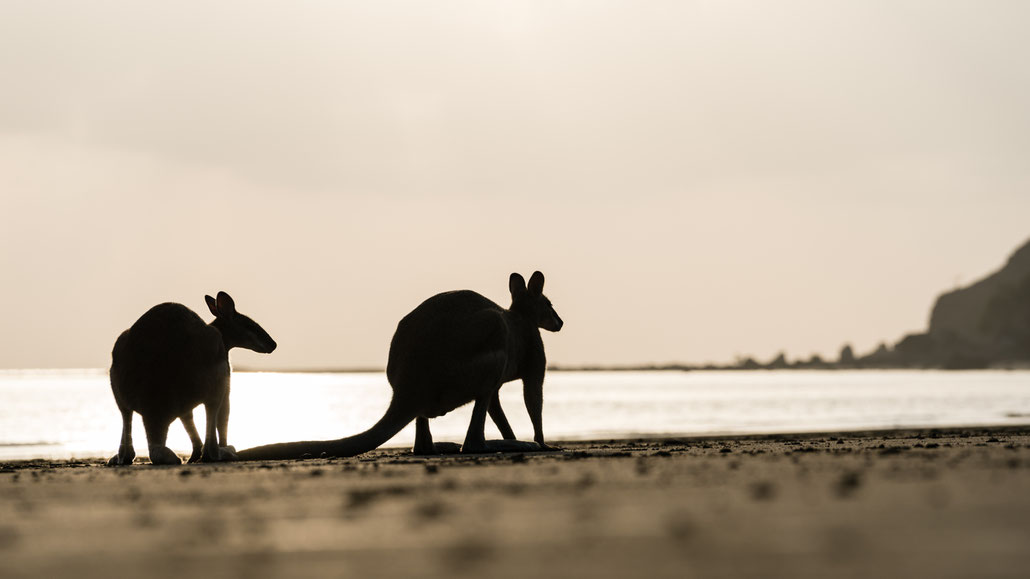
(932, 503)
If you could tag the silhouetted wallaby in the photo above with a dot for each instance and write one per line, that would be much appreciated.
(168, 363)
(454, 348)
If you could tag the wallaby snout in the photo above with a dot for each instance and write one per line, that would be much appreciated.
(266, 348)
(553, 323)
(246, 333)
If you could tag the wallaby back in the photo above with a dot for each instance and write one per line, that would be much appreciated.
(168, 362)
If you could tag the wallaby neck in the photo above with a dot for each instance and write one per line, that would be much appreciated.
(521, 321)
(527, 349)
(219, 325)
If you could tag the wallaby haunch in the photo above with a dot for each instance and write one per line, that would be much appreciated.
(454, 348)
(168, 363)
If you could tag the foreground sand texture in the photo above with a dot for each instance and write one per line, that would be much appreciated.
(948, 503)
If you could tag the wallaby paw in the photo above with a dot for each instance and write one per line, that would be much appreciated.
(116, 460)
(437, 448)
(197, 453)
(510, 446)
(163, 455)
(447, 447)
(219, 454)
(125, 456)
(549, 448)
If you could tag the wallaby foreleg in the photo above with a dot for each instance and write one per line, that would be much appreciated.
(126, 452)
(191, 429)
(533, 393)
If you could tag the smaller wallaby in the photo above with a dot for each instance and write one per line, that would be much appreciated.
(168, 363)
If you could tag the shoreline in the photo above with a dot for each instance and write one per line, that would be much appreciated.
(1005, 366)
(892, 503)
(654, 438)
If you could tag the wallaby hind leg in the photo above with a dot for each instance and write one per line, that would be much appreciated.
(157, 434)
(475, 441)
(424, 440)
(191, 429)
(126, 453)
(497, 415)
(212, 452)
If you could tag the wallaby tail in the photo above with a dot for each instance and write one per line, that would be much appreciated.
(390, 424)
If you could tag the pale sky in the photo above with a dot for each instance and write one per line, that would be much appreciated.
(697, 180)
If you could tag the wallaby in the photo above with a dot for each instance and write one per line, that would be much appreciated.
(168, 363)
(456, 347)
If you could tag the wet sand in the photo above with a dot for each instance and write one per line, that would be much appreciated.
(934, 503)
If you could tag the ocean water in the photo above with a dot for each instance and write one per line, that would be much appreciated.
(71, 413)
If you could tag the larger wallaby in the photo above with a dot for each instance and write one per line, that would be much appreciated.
(168, 363)
(454, 348)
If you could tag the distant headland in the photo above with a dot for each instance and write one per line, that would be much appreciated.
(983, 325)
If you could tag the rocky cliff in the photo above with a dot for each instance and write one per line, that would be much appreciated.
(984, 324)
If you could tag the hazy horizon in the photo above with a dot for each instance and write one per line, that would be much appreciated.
(698, 180)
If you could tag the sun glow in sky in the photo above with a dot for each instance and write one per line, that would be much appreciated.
(698, 180)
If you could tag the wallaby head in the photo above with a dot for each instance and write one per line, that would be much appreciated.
(531, 302)
(238, 331)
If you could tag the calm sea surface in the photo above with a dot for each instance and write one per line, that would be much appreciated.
(66, 414)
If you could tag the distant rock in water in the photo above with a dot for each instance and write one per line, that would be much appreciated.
(847, 356)
(779, 363)
(984, 324)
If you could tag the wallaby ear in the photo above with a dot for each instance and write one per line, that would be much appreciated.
(516, 284)
(212, 305)
(536, 283)
(226, 307)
